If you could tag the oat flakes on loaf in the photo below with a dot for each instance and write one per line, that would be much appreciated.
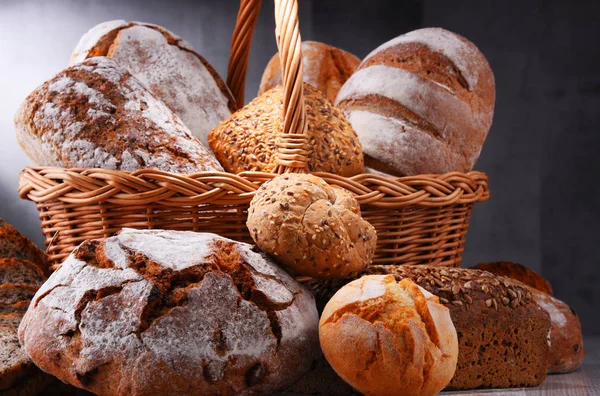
(171, 312)
(95, 114)
(310, 227)
(168, 65)
(249, 139)
(421, 103)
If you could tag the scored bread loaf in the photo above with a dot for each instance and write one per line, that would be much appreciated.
(15, 245)
(389, 338)
(421, 103)
(248, 140)
(97, 115)
(169, 67)
(325, 67)
(171, 312)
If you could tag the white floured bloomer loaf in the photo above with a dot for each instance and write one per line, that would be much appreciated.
(154, 312)
(421, 103)
(97, 115)
(168, 66)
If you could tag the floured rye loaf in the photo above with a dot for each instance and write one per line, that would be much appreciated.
(502, 332)
(167, 312)
(97, 115)
(168, 66)
(325, 67)
(421, 103)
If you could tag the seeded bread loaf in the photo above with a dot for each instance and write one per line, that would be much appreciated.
(325, 67)
(389, 338)
(14, 244)
(15, 271)
(168, 66)
(248, 140)
(168, 312)
(311, 228)
(518, 272)
(421, 103)
(97, 115)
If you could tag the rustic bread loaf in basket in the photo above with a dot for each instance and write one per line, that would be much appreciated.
(419, 219)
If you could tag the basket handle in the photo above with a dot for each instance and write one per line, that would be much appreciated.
(240, 48)
(293, 145)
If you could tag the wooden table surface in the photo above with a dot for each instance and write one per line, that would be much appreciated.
(584, 382)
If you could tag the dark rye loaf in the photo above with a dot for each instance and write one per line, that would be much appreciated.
(502, 331)
(97, 115)
(168, 312)
(14, 244)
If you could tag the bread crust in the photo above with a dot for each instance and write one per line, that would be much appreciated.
(15, 245)
(518, 272)
(311, 228)
(325, 67)
(248, 140)
(421, 103)
(168, 65)
(167, 312)
(97, 115)
(387, 337)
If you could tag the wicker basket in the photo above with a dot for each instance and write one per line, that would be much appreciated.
(419, 219)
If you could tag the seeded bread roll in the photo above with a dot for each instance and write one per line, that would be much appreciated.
(14, 245)
(389, 338)
(518, 272)
(170, 312)
(97, 115)
(311, 228)
(247, 141)
(324, 67)
(168, 66)
(421, 103)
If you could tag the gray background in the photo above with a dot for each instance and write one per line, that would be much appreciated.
(540, 154)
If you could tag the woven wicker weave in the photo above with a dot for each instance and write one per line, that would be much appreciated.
(419, 219)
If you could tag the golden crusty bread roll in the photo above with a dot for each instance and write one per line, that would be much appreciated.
(325, 67)
(389, 338)
(247, 141)
(312, 228)
(421, 103)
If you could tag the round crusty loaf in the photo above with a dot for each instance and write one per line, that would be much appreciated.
(15, 245)
(97, 115)
(517, 272)
(421, 103)
(171, 312)
(313, 229)
(325, 67)
(247, 141)
(171, 69)
(389, 338)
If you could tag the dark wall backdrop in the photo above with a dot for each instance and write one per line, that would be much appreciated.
(540, 154)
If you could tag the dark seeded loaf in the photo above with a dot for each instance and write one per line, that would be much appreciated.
(14, 244)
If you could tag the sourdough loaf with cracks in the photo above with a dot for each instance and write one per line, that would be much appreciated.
(169, 67)
(95, 114)
(324, 66)
(421, 103)
(168, 312)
